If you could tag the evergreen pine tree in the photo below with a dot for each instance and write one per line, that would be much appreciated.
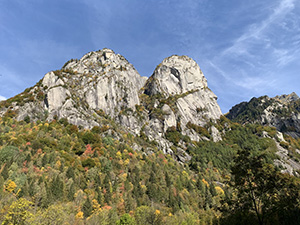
(57, 188)
(70, 173)
(45, 160)
(99, 196)
(47, 197)
(71, 192)
(61, 168)
(208, 198)
(212, 189)
(98, 181)
(4, 172)
(87, 207)
(171, 198)
(24, 190)
(129, 203)
(107, 186)
(168, 179)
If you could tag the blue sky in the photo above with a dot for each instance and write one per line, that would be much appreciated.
(245, 48)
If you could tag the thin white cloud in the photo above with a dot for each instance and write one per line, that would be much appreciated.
(250, 60)
(244, 81)
(256, 84)
(2, 98)
(256, 31)
(219, 71)
(284, 56)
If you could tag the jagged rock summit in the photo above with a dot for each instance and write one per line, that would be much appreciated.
(176, 75)
(181, 75)
(285, 99)
(104, 84)
(100, 80)
(180, 91)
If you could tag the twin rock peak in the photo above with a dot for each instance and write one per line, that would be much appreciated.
(103, 84)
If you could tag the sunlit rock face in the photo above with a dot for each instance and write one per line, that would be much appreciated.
(179, 79)
(104, 86)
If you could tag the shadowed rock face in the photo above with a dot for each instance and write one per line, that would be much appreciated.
(282, 112)
(105, 83)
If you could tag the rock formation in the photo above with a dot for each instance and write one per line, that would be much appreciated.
(282, 112)
(103, 84)
(180, 95)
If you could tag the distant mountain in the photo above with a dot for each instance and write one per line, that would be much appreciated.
(282, 112)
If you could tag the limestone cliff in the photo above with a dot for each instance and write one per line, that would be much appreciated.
(180, 96)
(103, 84)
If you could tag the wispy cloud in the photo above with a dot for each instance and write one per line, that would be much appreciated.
(256, 84)
(284, 56)
(253, 61)
(255, 32)
(219, 71)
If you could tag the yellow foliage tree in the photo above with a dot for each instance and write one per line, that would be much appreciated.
(219, 190)
(79, 215)
(18, 212)
(10, 186)
(96, 206)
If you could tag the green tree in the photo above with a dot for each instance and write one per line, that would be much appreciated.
(261, 190)
(126, 219)
(54, 215)
(146, 215)
(71, 192)
(87, 207)
(255, 183)
(70, 173)
(88, 138)
(107, 186)
(57, 188)
(8, 153)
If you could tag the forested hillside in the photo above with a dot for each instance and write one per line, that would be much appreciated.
(96, 143)
(53, 172)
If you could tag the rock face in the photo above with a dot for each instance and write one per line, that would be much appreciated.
(180, 76)
(112, 83)
(180, 92)
(103, 84)
(288, 164)
(282, 112)
(286, 99)
(98, 81)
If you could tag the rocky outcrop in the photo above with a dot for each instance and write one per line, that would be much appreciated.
(286, 99)
(282, 112)
(102, 80)
(285, 162)
(179, 84)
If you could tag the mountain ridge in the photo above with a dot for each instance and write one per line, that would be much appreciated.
(104, 84)
(281, 112)
(96, 142)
